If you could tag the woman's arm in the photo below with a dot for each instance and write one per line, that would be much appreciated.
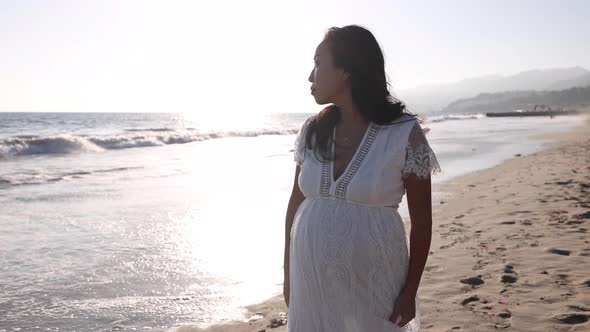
(296, 198)
(420, 206)
(420, 164)
(419, 203)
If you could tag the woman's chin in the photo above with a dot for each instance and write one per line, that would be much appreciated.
(320, 101)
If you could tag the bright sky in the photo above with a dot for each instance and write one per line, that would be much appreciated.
(255, 56)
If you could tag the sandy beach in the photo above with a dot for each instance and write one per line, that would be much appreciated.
(510, 248)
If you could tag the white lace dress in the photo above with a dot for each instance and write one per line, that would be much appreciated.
(349, 254)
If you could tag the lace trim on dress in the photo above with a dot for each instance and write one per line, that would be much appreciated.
(420, 159)
(325, 180)
(356, 163)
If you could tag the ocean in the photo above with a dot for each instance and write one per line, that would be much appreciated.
(145, 221)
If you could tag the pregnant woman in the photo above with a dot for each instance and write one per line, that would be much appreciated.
(348, 267)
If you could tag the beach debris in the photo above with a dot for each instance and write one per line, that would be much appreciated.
(584, 215)
(505, 314)
(280, 321)
(276, 322)
(255, 317)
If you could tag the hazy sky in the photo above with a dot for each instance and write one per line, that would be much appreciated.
(255, 56)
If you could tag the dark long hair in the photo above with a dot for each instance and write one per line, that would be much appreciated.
(355, 50)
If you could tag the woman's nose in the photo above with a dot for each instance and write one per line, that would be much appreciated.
(310, 78)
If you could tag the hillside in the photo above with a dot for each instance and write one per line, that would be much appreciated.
(435, 97)
(513, 100)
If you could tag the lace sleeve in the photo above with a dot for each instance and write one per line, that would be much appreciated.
(420, 159)
(299, 146)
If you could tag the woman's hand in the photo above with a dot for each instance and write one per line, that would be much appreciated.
(405, 308)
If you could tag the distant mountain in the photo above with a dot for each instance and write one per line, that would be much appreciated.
(431, 98)
(514, 100)
(582, 80)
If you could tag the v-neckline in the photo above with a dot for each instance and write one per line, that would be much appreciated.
(354, 157)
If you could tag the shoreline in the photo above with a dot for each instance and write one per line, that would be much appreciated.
(520, 227)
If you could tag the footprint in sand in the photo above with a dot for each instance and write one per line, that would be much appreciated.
(433, 268)
(470, 299)
(500, 248)
(480, 264)
(447, 246)
(473, 281)
(572, 318)
(578, 308)
(501, 326)
(563, 183)
(526, 222)
(509, 269)
(509, 276)
(559, 251)
(509, 279)
(518, 212)
(562, 280)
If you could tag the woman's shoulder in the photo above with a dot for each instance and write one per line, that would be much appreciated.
(308, 120)
(305, 123)
(405, 120)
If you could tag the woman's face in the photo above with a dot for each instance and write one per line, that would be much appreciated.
(328, 82)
